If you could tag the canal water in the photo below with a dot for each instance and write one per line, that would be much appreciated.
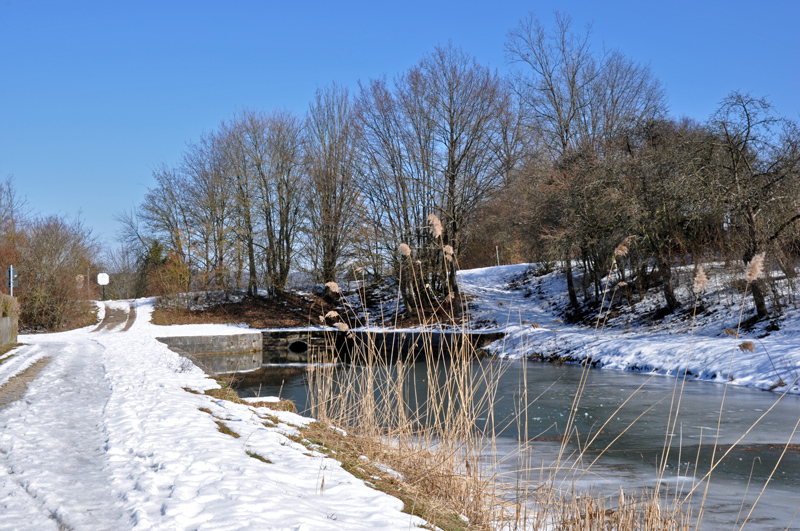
(622, 424)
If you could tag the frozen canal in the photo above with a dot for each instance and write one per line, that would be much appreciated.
(632, 417)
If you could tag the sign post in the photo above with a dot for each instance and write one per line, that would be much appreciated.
(102, 279)
(12, 282)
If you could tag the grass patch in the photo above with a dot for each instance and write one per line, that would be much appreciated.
(230, 395)
(5, 349)
(280, 405)
(349, 451)
(260, 458)
(206, 410)
(226, 430)
(225, 394)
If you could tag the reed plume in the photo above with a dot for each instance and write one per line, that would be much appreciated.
(622, 248)
(435, 225)
(333, 286)
(700, 280)
(754, 268)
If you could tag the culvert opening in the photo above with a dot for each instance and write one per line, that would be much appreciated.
(298, 347)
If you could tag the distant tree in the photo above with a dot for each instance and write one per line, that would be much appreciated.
(122, 266)
(282, 189)
(13, 214)
(166, 213)
(670, 212)
(242, 141)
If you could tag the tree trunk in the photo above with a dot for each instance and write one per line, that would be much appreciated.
(573, 297)
(750, 251)
(666, 284)
(759, 299)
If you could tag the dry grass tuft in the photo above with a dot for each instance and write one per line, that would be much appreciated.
(622, 248)
(224, 393)
(747, 346)
(404, 249)
(280, 405)
(730, 332)
(352, 453)
(333, 287)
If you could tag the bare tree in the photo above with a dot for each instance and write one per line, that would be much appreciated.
(437, 142)
(166, 214)
(580, 102)
(54, 252)
(331, 164)
(282, 188)
(240, 140)
(212, 202)
(757, 175)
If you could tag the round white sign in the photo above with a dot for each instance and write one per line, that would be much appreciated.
(102, 279)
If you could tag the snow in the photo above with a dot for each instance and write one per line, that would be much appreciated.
(107, 437)
(116, 433)
(528, 309)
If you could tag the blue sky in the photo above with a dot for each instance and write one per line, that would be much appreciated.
(95, 95)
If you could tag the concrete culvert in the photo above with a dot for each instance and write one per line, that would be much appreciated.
(298, 347)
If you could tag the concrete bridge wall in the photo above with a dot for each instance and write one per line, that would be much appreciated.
(218, 354)
(8, 330)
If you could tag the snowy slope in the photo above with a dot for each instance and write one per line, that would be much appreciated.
(107, 437)
(527, 308)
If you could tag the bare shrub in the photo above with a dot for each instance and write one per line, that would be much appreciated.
(54, 251)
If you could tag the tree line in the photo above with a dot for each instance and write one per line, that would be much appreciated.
(413, 177)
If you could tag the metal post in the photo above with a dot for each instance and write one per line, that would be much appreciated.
(11, 280)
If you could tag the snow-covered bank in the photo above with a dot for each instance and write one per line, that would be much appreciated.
(526, 307)
(108, 437)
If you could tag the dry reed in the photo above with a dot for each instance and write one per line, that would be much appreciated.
(440, 436)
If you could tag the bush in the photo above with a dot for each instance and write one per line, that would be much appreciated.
(54, 254)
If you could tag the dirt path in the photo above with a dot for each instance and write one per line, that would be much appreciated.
(115, 317)
(14, 388)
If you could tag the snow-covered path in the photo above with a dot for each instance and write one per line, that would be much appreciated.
(54, 440)
(107, 437)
